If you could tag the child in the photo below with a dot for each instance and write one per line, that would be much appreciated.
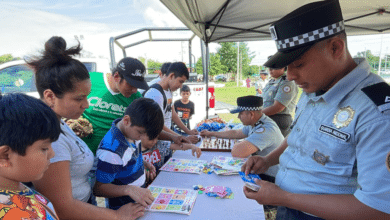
(159, 152)
(160, 92)
(120, 172)
(184, 109)
(28, 127)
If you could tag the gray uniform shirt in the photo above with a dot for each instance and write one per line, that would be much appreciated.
(266, 136)
(283, 91)
(340, 141)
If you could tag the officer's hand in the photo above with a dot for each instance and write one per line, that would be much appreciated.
(268, 194)
(130, 211)
(255, 164)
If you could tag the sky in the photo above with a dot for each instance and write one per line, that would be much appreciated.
(25, 25)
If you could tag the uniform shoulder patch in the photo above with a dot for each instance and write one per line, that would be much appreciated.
(380, 94)
(260, 130)
(286, 89)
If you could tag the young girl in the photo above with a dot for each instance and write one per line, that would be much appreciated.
(63, 84)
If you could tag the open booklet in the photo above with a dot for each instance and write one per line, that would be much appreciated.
(184, 166)
(169, 199)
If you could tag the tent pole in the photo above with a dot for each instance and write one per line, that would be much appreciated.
(207, 81)
(189, 55)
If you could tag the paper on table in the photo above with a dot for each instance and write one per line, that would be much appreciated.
(169, 199)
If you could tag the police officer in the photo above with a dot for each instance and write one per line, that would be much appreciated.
(280, 99)
(335, 163)
(261, 83)
(260, 132)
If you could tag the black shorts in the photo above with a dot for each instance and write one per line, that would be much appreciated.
(283, 121)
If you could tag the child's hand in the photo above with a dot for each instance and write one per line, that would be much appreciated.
(196, 150)
(150, 171)
(141, 195)
(193, 132)
(193, 138)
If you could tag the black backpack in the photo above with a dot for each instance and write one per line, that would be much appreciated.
(160, 89)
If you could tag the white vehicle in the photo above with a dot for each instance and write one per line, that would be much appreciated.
(17, 76)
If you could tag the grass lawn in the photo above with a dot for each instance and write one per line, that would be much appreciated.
(229, 94)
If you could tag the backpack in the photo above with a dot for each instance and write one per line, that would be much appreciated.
(160, 89)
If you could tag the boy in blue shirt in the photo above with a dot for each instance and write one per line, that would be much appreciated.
(27, 128)
(120, 174)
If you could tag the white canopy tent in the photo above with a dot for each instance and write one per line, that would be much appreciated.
(249, 20)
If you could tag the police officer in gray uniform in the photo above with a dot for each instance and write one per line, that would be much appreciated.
(280, 99)
(261, 133)
(335, 163)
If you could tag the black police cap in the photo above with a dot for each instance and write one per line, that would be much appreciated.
(299, 30)
(248, 103)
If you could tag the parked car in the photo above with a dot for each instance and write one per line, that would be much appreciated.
(16, 76)
(220, 77)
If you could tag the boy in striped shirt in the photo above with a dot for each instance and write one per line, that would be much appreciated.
(120, 174)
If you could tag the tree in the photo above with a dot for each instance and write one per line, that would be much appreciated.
(153, 66)
(228, 56)
(374, 60)
(254, 69)
(8, 57)
(216, 67)
(199, 66)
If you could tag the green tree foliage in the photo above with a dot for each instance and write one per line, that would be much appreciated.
(228, 56)
(374, 60)
(254, 70)
(153, 65)
(216, 67)
(7, 57)
(198, 66)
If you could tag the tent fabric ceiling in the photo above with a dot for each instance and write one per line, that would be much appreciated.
(230, 20)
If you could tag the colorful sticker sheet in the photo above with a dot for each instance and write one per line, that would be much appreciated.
(167, 199)
(219, 192)
(228, 163)
(184, 166)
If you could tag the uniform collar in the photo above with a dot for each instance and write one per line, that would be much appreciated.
(260, 121)
(280, 78)
(335, 94)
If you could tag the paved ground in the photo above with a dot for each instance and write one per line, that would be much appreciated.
(222, 107)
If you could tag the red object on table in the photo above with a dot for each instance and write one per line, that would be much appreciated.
(212, 97)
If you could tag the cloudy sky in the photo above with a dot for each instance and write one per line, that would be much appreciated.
(26, 24)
